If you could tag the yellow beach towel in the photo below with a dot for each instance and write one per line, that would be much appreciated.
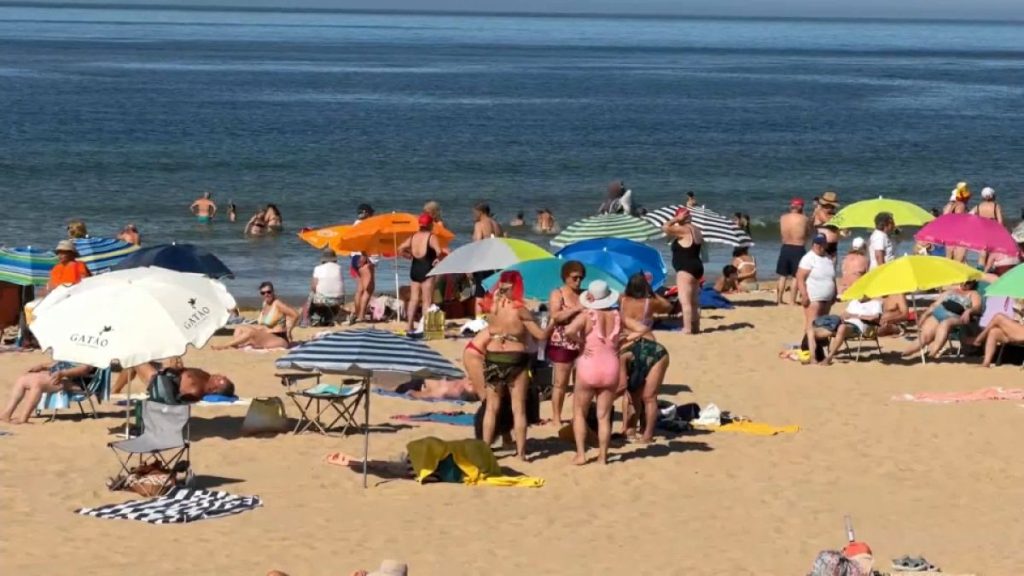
(473, 457)
(757, 428)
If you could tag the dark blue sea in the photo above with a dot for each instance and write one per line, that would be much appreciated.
(119, 116)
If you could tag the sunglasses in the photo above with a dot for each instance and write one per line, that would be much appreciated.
(266, 292)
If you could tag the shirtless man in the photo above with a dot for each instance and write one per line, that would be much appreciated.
(204, 209)
(186, 384)
(795, 227)
(484, 226)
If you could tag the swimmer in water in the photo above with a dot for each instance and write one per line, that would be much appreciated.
(232, 212)
(257, 225)
(204, 208)
(272, 217)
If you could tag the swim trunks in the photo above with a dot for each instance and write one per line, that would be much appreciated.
(789, 260)
(203, 219)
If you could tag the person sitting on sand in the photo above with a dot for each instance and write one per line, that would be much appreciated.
(855, 264)
(43, 379)
(181, 385)
(1001, 329)
(855, 321)
(273, 328)
(729, 281)
(746, 268)
(68, 271)
(130, 234)
(953, 308)
(519, 221)
(204, 209)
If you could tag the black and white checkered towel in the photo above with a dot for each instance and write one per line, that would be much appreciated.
(181, 505)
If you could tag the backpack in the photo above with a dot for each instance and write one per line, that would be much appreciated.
(833, 563)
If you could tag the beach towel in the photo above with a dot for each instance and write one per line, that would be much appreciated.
(993, 393)
(468, 461)
(179, 506)
(711, 298)
(757, 428)
(453, 418)
(219, 400)
(393, 394)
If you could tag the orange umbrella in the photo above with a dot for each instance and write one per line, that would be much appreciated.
(321, 238)
(381, 235)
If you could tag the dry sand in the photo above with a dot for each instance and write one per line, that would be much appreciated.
(938, 480)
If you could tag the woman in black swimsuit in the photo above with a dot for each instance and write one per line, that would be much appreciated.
(423, 249)
(686, 243)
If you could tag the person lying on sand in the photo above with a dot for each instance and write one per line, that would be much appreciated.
(127, 375)
(439, 389)
(274, 328)
(43, 379)
(182, 385)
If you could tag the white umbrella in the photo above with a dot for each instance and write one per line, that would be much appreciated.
(131, 317)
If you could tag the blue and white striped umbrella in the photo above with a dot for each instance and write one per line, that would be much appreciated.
(715, 227)
(101, 254)
(363, 352)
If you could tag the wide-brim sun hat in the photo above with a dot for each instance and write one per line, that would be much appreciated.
(65, 246)
(599, 296)
(829, 198)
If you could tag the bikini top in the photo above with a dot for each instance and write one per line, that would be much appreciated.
(265, 316)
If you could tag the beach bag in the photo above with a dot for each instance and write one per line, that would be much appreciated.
(164, 388)
(149, 480)
(265, 416)
(433, 324)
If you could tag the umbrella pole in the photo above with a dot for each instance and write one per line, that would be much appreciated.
(394, 244)
(919, 343)
(366, 427)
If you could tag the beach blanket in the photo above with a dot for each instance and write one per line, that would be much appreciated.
(453, 418)
(179, 506)
(393, 394)
(220, 400)
(468, 462)
(993, 393)
(711, 298)
(757, 428)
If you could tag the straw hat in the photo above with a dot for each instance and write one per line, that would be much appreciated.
(328, 255)
(66, 246)
(599, 296)
(829, 198)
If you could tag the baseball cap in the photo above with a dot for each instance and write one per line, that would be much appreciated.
(820, 239)
(858, 243)
(426, 220)
(797, 202)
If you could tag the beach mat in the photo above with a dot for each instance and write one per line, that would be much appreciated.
(453, 418)
(179, 506)
(393, 394)
(993, 393)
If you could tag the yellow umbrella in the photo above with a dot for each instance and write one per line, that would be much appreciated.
(862, 214)
(321, 238)
(910, 274)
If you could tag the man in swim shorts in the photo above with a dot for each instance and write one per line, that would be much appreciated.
(795, 227)
(204, 208)
(182, 385)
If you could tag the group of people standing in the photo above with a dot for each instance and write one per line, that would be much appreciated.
(600, 335)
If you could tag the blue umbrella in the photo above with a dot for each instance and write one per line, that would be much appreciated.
(101, 254)
(542, 276)
(364, 352)
(26, 266)
(619, 257)
(178, 257)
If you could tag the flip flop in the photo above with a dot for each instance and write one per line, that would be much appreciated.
(912, 564)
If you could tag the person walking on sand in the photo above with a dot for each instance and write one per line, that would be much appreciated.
(424, 250)
(687, 240)
(364, 269)
(204, 208)
(794, 227)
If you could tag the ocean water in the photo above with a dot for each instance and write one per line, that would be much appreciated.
(118, 116)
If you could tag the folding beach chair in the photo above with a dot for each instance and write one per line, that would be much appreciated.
(320, 402)
(869, 335)
(98, 387)
(165, 440)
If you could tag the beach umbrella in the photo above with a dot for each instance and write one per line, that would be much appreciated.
(607, 226)
(488, 254)
(618, 257)
(1010, 285)
(540, 277)
(178, 257)
(26, 266)
(321, 238)
(101, 254)
(364, 353)
(862, 214)
(910, 275)
(968, 231)
(715, 227)
(130, 317)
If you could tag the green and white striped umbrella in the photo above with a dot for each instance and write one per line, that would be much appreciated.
(608, 226)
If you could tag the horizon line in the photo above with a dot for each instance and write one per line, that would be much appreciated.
(496, 13)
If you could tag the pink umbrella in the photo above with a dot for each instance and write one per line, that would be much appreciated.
(968, 231)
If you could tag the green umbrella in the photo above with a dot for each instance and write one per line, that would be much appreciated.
(608, 226)
(862, 214)
(1010, 284)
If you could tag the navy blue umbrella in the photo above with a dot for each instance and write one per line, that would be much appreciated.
(178, 257)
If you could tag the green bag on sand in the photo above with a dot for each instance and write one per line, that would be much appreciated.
(265, 416)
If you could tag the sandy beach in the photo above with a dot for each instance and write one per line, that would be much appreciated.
(938, 480)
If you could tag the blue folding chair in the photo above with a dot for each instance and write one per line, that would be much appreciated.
(97, 388)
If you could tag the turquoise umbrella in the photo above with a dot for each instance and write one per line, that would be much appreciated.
(26, 266)
(540, 277)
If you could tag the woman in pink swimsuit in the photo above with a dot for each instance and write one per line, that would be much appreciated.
(597, 372)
